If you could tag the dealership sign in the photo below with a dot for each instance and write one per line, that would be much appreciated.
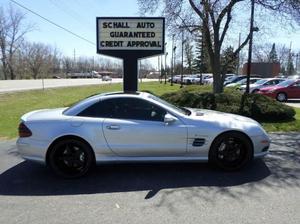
(130, 38)
(137, 36)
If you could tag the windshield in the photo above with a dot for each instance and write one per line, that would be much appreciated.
(286, 83)
(179, 110)
(243, 81)
(231, 78)
(262, 81)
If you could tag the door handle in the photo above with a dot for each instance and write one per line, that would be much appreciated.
(113, 127)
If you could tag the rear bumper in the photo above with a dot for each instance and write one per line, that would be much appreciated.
(32, 150)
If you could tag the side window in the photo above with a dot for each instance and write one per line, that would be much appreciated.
(277, 81)
(137, 109)
(100, 109)
(297, 84)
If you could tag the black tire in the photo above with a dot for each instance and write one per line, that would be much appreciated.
(281, 97)
(231, 151)
(71, 158)
(255, 91)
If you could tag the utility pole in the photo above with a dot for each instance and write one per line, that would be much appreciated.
(182, 48)
(74, 60)
(161, 67)
(158, 68)
(166, 54)
(250, 47)
(238, 61)
(172, 60)
(202, 56)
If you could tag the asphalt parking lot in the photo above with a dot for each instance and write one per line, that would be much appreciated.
(268, 191)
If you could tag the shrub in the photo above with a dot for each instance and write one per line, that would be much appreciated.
(258, 107)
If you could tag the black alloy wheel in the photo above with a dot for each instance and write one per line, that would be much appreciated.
(71, 158)
(231, 151)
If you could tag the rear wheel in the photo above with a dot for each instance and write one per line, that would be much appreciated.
(281, 97)
(71, 158)
(231, 151)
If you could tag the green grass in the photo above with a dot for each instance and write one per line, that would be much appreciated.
(14, 105)
(284, 126)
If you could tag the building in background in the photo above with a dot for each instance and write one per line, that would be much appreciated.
(264, 69)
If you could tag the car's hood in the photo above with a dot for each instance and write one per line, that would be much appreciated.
(224, 121)
(212, 115)
(44, 114)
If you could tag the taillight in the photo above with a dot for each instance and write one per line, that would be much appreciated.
(24, 130)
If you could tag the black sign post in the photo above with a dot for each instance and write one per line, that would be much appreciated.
(130, 38)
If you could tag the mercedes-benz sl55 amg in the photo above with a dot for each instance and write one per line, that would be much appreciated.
(137, 127)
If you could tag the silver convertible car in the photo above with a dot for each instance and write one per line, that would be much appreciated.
(136, 127)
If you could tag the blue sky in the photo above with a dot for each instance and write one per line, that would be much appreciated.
(79, 16)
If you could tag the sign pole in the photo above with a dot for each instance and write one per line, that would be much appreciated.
(130, 76)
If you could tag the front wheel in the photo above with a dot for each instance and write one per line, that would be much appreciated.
(231, 151)
(70, 158)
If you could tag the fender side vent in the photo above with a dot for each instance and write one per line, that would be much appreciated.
(198, 142)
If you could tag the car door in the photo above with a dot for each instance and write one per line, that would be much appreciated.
(137, 128)
(294, 90)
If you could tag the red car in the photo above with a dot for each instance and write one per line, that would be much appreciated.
(289, 89)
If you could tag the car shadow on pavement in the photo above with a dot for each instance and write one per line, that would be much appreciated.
(28, 178)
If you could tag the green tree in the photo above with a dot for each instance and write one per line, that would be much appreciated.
(273, 55)
(290, 66)
(228, 60)
(200, 61)
(188, 49)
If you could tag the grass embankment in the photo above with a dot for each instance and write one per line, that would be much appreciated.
(284, 126)
(14, 105)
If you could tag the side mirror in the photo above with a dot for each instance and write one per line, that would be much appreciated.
(168, 119)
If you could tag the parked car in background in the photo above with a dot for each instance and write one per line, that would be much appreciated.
(106, 78)
(137, 127)
(209, 79)
(253, 88)
(288, 89)
(234, 79)
(243, 82)
(193, 79)
(294, 77)
(176, 79)
(56, 77)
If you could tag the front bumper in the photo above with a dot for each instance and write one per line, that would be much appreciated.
(261, 145)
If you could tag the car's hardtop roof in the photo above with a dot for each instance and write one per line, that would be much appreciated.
(96, 97)
(119, 93)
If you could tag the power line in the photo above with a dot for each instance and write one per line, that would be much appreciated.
(53, 23)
